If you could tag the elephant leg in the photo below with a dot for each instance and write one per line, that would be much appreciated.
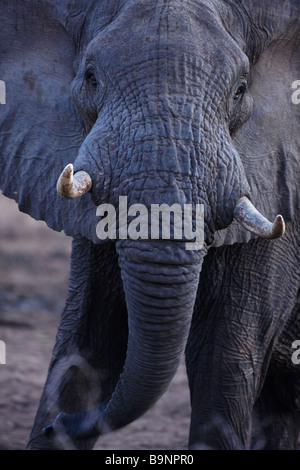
(276, 424)
(276, 419)
(91, 343)
(222, 386)
(242, 307)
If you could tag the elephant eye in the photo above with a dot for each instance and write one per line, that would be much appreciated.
(90, 77)
(240, 92)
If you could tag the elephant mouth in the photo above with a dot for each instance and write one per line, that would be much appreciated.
(72, 185)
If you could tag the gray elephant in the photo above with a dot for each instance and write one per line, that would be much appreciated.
(186, 103)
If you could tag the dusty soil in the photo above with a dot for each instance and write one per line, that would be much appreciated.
(34, 271)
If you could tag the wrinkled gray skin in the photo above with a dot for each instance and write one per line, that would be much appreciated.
(176, 102)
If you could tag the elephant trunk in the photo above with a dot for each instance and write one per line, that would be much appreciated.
(160, 295)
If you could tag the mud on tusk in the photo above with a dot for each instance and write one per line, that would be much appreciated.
(72, 185)
(249, 217)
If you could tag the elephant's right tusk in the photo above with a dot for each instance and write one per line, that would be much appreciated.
(71, 185)
(249, 217)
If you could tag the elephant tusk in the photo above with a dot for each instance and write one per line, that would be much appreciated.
(71, 185)
(249, 217)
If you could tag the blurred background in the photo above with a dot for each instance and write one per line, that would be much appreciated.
(34, 273)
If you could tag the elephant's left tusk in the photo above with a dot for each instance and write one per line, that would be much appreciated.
(71, 185)
(249, 217)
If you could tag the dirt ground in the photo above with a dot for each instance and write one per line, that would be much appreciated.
(34, 271)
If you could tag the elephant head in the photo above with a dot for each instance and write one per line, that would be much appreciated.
(162, 103)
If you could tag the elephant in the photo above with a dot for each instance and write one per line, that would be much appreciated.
(188, 103)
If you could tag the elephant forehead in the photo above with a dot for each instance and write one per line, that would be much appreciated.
(145, 30)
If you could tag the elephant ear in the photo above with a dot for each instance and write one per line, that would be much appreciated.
(40, 131)
(269, 143)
